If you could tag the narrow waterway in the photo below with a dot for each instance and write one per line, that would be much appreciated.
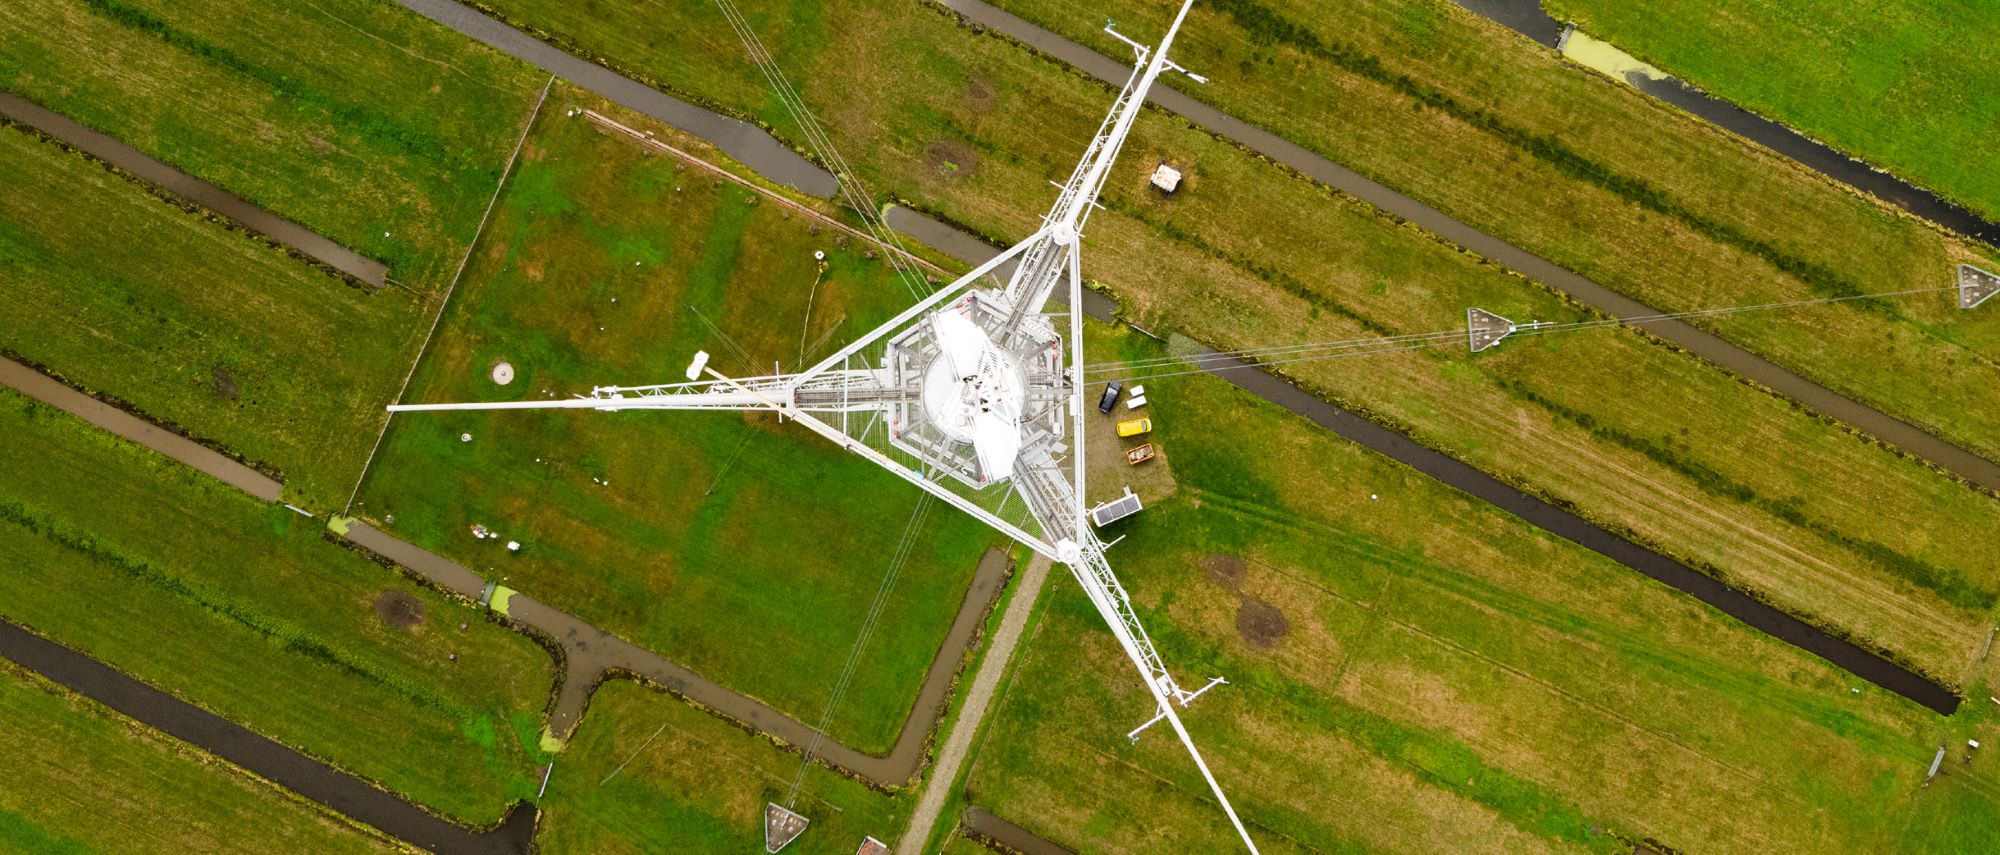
(1529, 19)
(277, 763)
(1569, 526)
(982, 824)
(741, 140)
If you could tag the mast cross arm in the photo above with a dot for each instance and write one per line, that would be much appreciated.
(787, 394)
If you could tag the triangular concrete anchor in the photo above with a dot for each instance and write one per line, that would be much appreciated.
(1975, 285)
(781, 826)
(1483, 329)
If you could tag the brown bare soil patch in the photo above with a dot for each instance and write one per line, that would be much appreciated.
(1225, 570)
(224, 383)
(980, 94)
(1260, 623)
(953, 159)
(399, 609)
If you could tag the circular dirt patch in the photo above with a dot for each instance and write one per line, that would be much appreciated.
(399, 609)
(980, 94)
(1260, 623)
(953, 159)
(224, 383)
(503, 373)
(1225, 570)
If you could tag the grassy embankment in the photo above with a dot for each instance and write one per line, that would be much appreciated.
(245, 609)
(1907, 85)
(1686, 458)
(605, 265)
(1420, 673)
(84, 779)
(235, 344)
(359, 120)
(699, 785)
(1468, 117)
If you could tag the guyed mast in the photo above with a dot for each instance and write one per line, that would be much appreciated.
(976, 395)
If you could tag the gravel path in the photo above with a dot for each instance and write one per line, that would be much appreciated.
(944, 773)
(193, 189)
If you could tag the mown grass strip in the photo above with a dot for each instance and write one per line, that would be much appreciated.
(246, 609)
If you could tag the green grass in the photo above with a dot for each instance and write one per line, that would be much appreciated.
(248, 610)
(1684, 458)
(1449, 680)
(1906, 85)
(603, 265)
(192, 324)
(648, 773)
(358, 119)
(83, 779)
(1595, 176)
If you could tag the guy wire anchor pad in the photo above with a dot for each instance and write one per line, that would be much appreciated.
(1975, 285)
(1483, 329)
(781, 826)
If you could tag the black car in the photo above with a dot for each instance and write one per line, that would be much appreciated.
(1110, 398)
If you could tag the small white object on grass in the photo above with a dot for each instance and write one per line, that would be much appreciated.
(513, 546)
(465, 437)
(503, 373)
(1374, 498)
(819, 255)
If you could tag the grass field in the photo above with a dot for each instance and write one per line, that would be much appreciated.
(1464, 116)
(1687, 459)
(244, 608)
(357, 119)
(237, 344)
(1471, 119)
(84, 779)
(648, 773)
(1908, 86)
(1413, 672)
(606, 265)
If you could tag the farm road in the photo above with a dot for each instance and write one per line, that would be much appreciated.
(938, 786)
(280, 764)
(1903, 435)
(192, 189)
(591, 654)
